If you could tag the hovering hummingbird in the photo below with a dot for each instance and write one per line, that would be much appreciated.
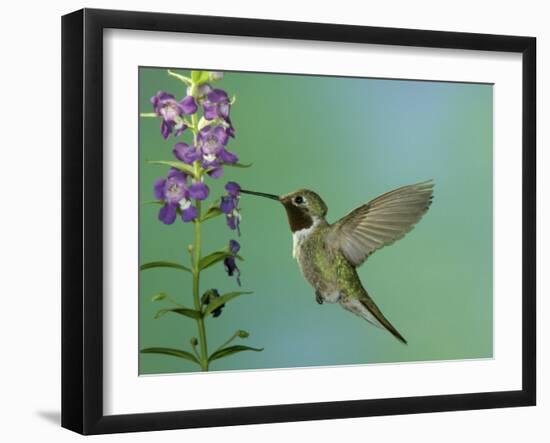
(328, 254)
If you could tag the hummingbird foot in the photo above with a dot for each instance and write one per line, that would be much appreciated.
(318, 297)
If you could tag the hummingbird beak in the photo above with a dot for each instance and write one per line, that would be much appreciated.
(261, 194)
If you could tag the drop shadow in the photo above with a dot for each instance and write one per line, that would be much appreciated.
(54, 417)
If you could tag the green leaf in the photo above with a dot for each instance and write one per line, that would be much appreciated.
(163, 264)
(238, 165)
(175, 164)
(173, 352)
(183, 78)
(213, 211)
(222, 299)
(153, 202)
(230, 350)
(234, 165)
(212, 259)
(200, 77)
(158, 297)
(215, 257)
(191, 313)
(148, 114)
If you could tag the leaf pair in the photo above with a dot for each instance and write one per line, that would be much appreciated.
(192, 313)
(221, 353)
(189, 170)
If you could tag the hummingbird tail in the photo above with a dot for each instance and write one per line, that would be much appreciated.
(365, 308)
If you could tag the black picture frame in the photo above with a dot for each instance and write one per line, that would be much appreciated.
(82, 218)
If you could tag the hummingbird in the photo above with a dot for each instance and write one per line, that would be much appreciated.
(328, 255)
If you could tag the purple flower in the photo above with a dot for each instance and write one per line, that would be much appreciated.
(177, 195)
(233, 189)
(211, 140)
(229, 262)
(234, 246)
(229, 205)
(211, 143)
(172, 112)
(208, 297)
(186, 153)
(216, 105)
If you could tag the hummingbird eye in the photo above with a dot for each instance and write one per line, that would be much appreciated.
(299, 200)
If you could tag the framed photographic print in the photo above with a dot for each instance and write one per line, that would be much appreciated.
(269, 221)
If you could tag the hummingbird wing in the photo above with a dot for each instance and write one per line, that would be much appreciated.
(380, 222)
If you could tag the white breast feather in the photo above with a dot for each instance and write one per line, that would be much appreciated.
(299, 236)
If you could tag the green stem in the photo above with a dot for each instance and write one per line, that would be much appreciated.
(196, 260)
(196, 290)
(195, 127)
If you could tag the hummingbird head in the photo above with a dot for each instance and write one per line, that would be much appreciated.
(303, 207)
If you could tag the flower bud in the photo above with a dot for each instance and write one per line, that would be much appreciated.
(159, 296)
(242, 334)
(215, 76)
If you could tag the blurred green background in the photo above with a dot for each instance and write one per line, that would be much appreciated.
(349, 140)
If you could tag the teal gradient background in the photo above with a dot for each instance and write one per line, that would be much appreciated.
(348, 139)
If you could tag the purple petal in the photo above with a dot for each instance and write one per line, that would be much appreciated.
(189, 214)
(204, 132)
(231, 222)
(180, 176)
(217, 172)
(167, 213)
(229, 265)
(220, 134)
(188, 105)
(164, 96)
(199, 191)
(223, 110)
(158, 188)
(230, 131)
(233, 188)
(217, 96)
(234, 246)
(227, 204)
(185, 153)
(165, 129)
(180, 129)
(228, 157)
(210, 111)
(159, 98)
